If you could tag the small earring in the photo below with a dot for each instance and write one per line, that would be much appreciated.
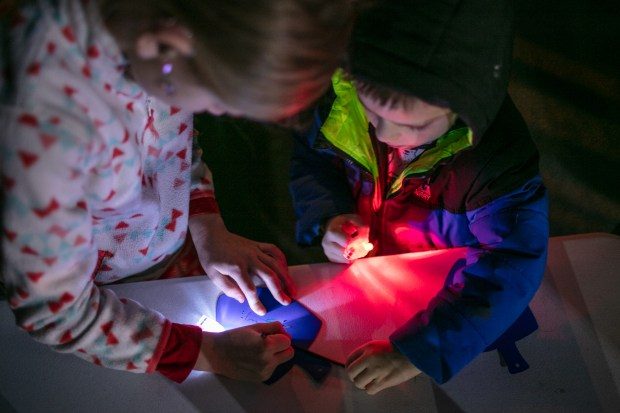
(166, 81)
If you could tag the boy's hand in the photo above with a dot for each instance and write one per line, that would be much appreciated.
(345, 238)
(248, 353)
(230, 261)
(377, 365)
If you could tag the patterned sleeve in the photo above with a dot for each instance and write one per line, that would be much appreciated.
(72, 141)
(50, 258)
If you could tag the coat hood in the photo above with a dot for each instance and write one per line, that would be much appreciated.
(451, 53)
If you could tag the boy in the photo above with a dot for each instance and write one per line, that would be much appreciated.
(421, 148)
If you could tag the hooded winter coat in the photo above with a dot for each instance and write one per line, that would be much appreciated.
(477, 186)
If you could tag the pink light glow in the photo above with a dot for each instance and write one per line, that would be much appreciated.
(411, 239)
(372, 297)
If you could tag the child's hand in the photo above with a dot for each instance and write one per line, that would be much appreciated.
(345, 239)
(230, 261)
(377, 365)
(248, 353)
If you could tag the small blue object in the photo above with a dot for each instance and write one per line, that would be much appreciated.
(506, 343)
(298, 321)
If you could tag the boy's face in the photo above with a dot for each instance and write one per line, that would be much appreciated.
(407, 126)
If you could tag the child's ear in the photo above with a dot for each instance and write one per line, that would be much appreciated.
(170, 40)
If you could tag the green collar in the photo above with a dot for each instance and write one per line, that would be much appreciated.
(346, 128)
(447, 146)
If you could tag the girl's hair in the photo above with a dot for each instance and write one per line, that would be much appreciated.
(266, 58)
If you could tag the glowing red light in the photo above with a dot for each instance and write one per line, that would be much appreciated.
(372, 297)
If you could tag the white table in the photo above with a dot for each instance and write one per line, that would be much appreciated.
(574, 356)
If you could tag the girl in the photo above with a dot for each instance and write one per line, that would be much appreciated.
(101, 182)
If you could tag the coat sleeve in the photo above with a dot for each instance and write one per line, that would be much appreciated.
(500, 277)
(318, 186)
(49, 254)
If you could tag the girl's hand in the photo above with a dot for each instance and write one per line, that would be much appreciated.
(345, 238)
(230, 261)
(377, 365)
(248, 353)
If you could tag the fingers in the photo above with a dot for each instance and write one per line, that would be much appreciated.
(268, 263)
(277, 342)
(279, 266)
(274, 251)
(284, 356)
(278, 350)
(371, 379)
(356, 367)
(249, 290)
(273, 284)
(355, 355)
(274, 327)
(336, 237)
(228, 286)
(359, 368)
(333, 246)
(273, 279)
(342, 236)
(255, 303)
(289, 285)
(376, 386)
(381, 384)
(376, 366)
(248, 353)
(335, 253)
(363, 379)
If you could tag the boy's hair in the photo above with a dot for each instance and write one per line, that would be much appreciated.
(454, 54)
(266, 58)
(384, 95)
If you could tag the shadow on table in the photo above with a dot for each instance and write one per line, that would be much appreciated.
(287, 395)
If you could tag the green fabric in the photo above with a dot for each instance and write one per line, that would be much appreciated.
(447, 146)
(346, 126)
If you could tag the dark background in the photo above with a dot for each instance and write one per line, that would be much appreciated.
(565, 81)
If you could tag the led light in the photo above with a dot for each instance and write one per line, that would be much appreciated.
(209, 324)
